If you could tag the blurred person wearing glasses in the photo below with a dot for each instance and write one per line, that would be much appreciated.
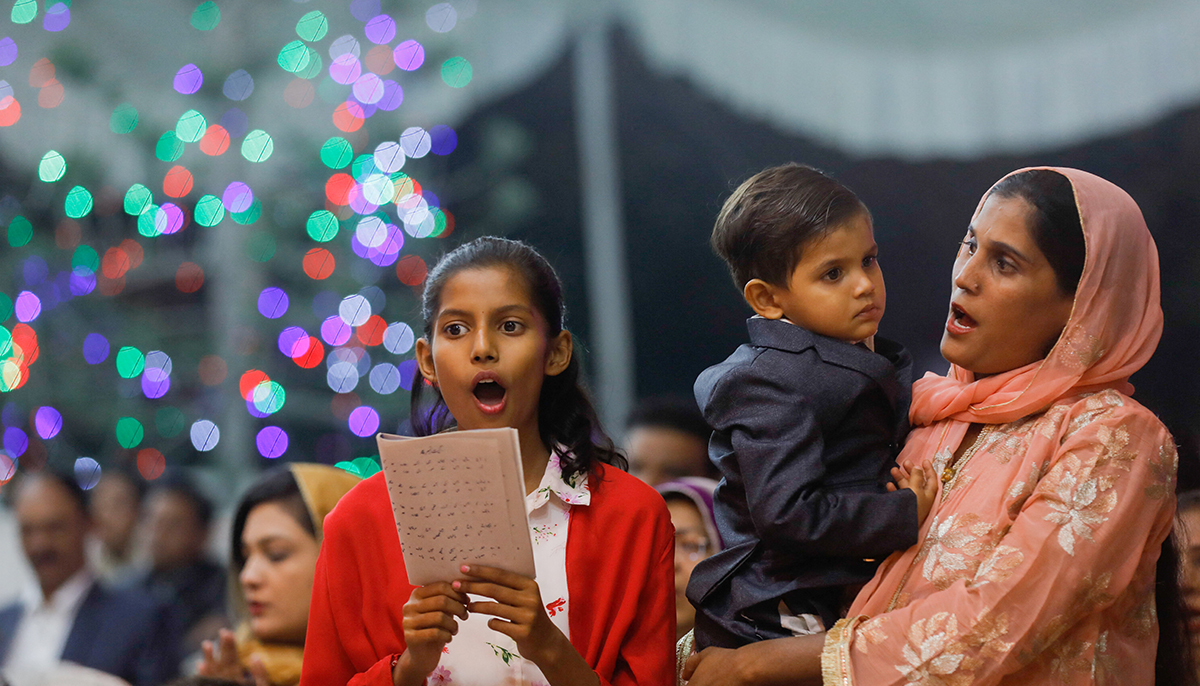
(690, 501)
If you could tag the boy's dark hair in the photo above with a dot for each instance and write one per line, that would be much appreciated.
(566, 416)
(763, 227)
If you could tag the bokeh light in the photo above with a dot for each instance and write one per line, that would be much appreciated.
(271, 441)
(272, 302)
(205, 435)
(87, 473)
(364, 421)
(188, 79)
(47, 422)
(206, 16)
(129, 432)
(150, 463)
(95, 348)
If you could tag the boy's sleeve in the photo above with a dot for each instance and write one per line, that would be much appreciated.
(778, 442)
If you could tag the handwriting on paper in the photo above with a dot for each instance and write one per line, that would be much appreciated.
(454, 502)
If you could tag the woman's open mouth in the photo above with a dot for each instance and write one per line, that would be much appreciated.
(489, 395)
(959, 322)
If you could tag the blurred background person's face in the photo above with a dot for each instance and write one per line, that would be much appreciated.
(176, 533)
(658, 454)
(114, 506)
(277, 579)
(691, 546)
(53, 530)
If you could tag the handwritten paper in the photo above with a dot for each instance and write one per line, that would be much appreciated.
(458, 498)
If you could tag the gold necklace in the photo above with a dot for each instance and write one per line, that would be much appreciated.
(949, 472)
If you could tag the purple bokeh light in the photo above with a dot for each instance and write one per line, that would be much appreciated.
(272, 442)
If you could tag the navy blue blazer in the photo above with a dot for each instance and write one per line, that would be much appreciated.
(806, 431)
(122, 632)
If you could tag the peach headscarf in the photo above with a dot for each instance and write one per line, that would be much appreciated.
(1114, 327)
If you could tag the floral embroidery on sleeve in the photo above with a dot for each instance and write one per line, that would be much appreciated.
(1076, 506)
(439, 677)
(953, 548)
(933, 655)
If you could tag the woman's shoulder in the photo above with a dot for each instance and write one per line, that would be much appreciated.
(1107, 410)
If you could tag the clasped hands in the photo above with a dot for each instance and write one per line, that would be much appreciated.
(432, 612)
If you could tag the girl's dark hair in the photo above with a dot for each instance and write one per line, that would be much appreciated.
(275, 486)
(763, 227)
(1057, 229)
(566, 416)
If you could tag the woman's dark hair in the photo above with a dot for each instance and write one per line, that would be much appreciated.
(763, 227)
(276, 486)
(566, 416)
(1057, 229)
(1174, 663)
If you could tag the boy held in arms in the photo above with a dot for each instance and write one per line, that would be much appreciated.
(808, 417)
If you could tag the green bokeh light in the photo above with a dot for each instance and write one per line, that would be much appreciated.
(24, 11)
(251, 214)
(146, 224)
(312, 26)
(6, 342)
(138, 199)
(257, 146)
(191, 126)
(322, 226)
(361, 466)
(457, 72)
(20, 230)
(129, 432)
(52, 167)
(124, 118)
(6, 310)
(260, 247)
(314, 67)
(268, 397)
(169, 421)
(169, 148)
(78, 203)
(206, 16)
(130, 362)
(363, 165)
(439, 223)
(336, 152)
(294, 57)
(86, 256)
(209, 211)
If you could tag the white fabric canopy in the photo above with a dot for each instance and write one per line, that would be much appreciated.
(933, 78)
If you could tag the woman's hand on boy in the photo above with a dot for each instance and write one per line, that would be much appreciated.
(429, 624)
(922, 481)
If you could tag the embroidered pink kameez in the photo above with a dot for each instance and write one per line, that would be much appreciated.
(1037, 563)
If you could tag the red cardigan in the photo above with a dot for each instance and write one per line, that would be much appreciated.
(620, 574)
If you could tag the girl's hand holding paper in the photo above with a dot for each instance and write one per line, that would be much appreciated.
(517, 604)
(429, 624)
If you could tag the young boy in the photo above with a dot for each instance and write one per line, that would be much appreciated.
(807, 418)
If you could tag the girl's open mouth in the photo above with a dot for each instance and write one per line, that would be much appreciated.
(959, 322)
(489, 396)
